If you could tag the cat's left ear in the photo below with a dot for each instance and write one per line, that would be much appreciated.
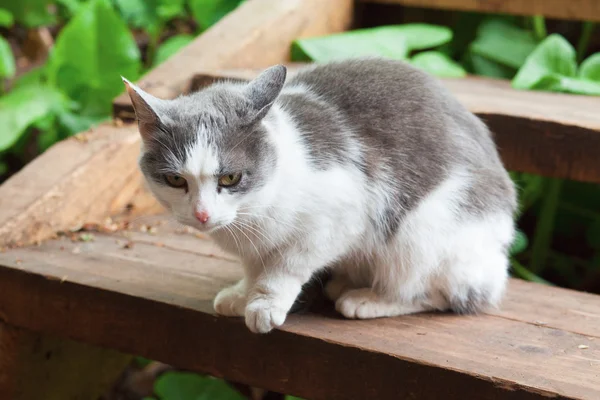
(264, 89)
(146, 109)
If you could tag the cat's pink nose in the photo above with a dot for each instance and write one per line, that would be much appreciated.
(201, 216)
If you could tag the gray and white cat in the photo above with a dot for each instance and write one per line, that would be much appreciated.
(366, 167)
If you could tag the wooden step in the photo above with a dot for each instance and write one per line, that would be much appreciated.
(150, 293)
(584, 10)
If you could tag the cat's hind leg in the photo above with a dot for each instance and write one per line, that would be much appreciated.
(366, 303)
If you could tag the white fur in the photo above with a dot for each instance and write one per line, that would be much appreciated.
(305, 219)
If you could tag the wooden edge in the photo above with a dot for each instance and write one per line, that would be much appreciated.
(257, 34)
(224, 348)
(83, 179)
(36, 366)
(584, 10)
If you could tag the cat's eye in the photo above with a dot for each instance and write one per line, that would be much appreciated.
(176, 181)
(230, 179)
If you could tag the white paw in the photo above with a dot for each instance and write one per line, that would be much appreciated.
(263, 314)
(230, 301)
(364, 304)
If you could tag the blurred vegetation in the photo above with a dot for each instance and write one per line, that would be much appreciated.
(61, 62)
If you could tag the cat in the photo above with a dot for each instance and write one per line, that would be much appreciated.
(366, 167)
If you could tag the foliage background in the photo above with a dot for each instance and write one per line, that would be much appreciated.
(61, 62)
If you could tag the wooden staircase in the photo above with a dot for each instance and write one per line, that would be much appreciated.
(139, 284)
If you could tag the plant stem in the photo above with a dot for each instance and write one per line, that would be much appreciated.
(152, 45)
(539, 27)
(543, 231)
(584, 40)
(526, 274)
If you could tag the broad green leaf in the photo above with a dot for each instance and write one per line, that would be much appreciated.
(187, 386)
(31, 13)
(25, 106)
(438, 64)
(7, 60)
(71, 6)
(209, 12)
(565, 84)
(171, 46)
(554, 56)
(519, 244)
(590, 68)
(34, 76)
(504, 43)
(486, 67)
(73, 122)
(6, 18)
(150, 15)
(396, 41)
(91, 53)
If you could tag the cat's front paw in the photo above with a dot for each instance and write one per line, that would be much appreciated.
(263, 314)
(230, 301)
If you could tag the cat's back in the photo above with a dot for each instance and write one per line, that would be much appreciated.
(405, 121)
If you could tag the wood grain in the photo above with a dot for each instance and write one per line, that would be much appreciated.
(585, 10)
(82, 179)
(35, 366)
(149, 299)
(257, 34)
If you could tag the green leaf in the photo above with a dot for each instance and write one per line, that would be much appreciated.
(7, 60)
(6, 18)
(438, 64)
(25, 106)
(396, 41)
(519, 244)
(35, 76)
(522, 272)
(209, 12)
(187, 386)
(504, 43)
(150, 15)
(486, 67)
(71, 6)
(553, 57)
(171, 46)
(590, 68)
(31, 13)
(91, 53)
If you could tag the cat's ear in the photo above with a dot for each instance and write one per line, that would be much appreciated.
(264, 89)
(146, 109)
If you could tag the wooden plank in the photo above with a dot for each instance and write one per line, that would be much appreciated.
(257, 34)
(35, 366)
(84, 178)
(585, 10)
(116, 294)
(550, 134)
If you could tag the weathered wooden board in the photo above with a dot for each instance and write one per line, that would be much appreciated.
(258, 34)
(155, 299)
(82, 179)
(585, 10)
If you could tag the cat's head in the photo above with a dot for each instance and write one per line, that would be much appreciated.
(207, 155)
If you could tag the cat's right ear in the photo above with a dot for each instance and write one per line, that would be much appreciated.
(146, 109)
